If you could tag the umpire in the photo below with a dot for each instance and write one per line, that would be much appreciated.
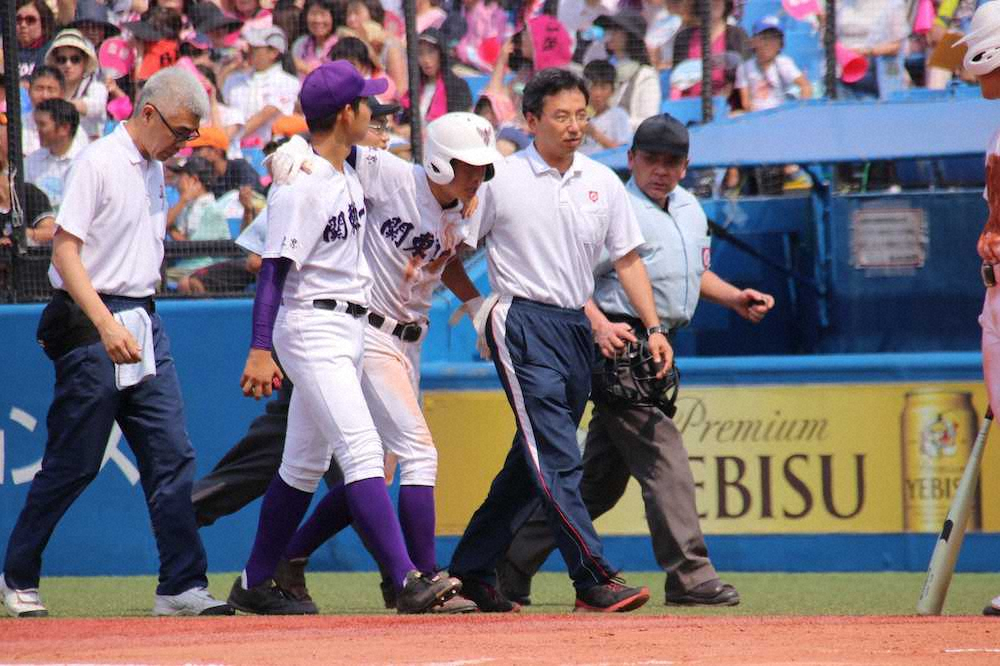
(641, 440)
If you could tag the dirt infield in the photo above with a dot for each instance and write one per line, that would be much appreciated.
(580, 640)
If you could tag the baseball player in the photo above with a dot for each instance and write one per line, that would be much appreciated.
(982, 60)
(546, 218)
(313, 292)
(415, 227)
(633, 435)
(111, 354)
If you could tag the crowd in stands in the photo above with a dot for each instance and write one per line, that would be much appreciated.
(82, 62)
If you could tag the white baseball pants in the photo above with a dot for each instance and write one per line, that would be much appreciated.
(322, 353)
(391, 384)
(990, 321)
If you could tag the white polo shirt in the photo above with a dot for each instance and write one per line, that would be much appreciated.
(318, 221)
(250, 92)
(410, 238)
(545, 231)
(119, 210)
(47, 171)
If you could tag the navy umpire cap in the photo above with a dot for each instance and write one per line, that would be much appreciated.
(662, 134)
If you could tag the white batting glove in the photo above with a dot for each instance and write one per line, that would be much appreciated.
(285, 163)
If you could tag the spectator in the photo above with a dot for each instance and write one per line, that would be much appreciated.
(38, 216)
(233, 275)
(222, 116)
(197, 47)
(730, 46)
(289, 15)
(245, 10)
(429, 15)
(227, 174)
(45, 83)
(208, 19)
(367, 19)
(74, 56)
(441, 91)
(875, 29)
(57, 121)
(312, 49)
(579, 15)
(266, 92)
(486, 31)
(195, 216)
(609, 127)
(665, 19)
(34, 26)
(638, 85)
(93, 22)
(769, 78)
(158, 40)
(356, 52)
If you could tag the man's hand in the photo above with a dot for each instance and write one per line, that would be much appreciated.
(285, 163)
(753, 305)
(662, 353)
(469, 207)
(119, 343)
(260, 374)
(612, 336)
(989, 247)
(246, 198)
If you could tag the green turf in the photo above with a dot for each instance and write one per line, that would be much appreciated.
(763, 594)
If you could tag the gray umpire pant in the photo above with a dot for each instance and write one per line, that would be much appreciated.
(643, 443)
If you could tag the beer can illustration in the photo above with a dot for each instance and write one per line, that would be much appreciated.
(938, 429)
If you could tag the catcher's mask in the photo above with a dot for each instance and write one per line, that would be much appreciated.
(629, 379)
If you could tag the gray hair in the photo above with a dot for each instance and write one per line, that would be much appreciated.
(172, 89)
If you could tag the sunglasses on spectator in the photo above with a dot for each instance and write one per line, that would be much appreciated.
(63, 59)
(26, 20)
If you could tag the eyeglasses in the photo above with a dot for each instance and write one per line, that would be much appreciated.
(26, 19)
(62, 60)
(379, 128)
(181, 136)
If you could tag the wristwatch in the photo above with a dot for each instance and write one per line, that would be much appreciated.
(659, 328)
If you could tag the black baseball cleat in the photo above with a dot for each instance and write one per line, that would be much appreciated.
(488, 598)
(420, 593)
(290, 576)
(388, 593)
(611, 597)
(513, 583)
(710, 593)
(268, 599)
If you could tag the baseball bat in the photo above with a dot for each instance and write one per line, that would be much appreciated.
(942, 564)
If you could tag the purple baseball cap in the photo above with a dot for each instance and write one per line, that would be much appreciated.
(334, 85)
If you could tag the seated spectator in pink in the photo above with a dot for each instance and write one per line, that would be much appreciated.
(312, 49)
(429, 15)
(485, 32)
(440, 91)
(246, 10)
(770, 78)
(730, 47)
(609, 127)
(57, 121)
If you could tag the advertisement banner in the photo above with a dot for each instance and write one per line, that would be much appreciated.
(822, 458)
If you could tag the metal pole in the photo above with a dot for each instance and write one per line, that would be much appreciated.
(15, 166)
(705, 18)
(413, 76)
(829, 47)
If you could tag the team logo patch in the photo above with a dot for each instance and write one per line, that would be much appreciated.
(593, 195)
(485, 133)
(706, 257)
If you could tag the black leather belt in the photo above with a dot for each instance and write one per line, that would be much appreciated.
(352, 309)
(408, 332)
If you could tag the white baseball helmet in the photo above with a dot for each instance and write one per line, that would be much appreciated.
(983, 40)
(460, 136)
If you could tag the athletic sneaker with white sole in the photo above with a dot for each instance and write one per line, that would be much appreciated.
(196, 601)
(22, 603)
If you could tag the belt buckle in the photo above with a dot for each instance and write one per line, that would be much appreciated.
(410, 332)
(988, 275)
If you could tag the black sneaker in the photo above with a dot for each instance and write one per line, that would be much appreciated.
(513, 583)
(488, 598)
(710, 593)
(290, 576)
(420, 593)
(388, 593)
(611, 597)
(267, 599)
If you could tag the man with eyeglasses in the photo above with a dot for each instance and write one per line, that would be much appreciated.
(112, 357)
(547, 217)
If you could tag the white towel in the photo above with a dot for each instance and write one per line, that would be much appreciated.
(139, 325)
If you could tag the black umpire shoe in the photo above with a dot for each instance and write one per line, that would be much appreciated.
(513, 583)
(611, 597)
(267, 599)
(488, 598)
(710, 593)
(420, 593)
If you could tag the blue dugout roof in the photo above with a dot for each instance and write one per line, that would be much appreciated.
(822, 131)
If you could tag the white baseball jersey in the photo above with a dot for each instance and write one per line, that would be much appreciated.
(410, 238)
(545, 231)
(317, 221)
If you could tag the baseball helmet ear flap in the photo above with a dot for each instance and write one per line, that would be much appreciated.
(439, 169)
(490, 172)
